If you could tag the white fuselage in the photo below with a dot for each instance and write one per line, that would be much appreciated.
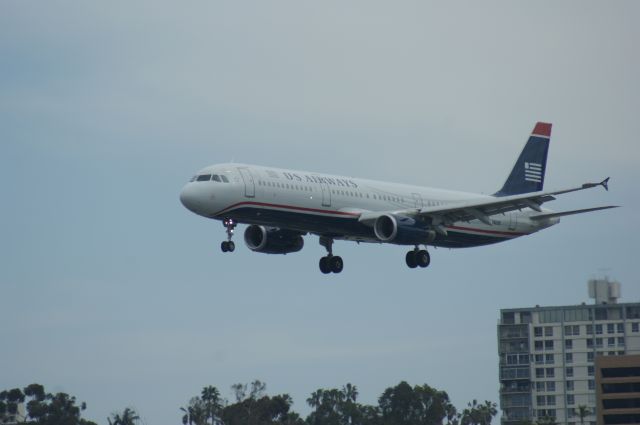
(331, 205)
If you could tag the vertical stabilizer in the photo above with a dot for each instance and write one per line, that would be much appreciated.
(527, 174)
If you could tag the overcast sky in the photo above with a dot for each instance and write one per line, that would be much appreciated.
(113, 292)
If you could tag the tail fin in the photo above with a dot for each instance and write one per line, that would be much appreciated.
(527, 174)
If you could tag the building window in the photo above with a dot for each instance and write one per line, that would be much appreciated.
(524, 359)
(551, 386)
(548, 345)
(538, 345)
(568, 344)
(598, 342)
(551, 400)
(512, 359)
(569, 372)
(589, 342)
(539, 372)
(568, 331)
(598, 329)
(540, 400)
(620, 340)
(592, 384)
(590, 370)
(548, 331)
(571, 400)
(548, 358)
(576, 330)
(550, 372)
(611, 328)
(570, 386)
(539, 359)
(620, 328)
(571, 413)
(568, 358)
(590, 356)
(540, 386)
(589, 329)
(537, 331)
(635, 327)
(611, 341)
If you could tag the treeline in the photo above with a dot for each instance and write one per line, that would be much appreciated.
(402, 404)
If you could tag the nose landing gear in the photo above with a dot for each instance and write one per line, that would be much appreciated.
(228, 245)
(418, 258)
(330, 263)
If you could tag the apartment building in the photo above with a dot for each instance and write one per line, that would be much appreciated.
(547, 355)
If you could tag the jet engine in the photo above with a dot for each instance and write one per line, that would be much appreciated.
(271, 240)
(401, 230)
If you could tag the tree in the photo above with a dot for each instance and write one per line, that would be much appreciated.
(128, 417)
(478, 414)
(43, 408)
(583, 411)
(420, 405)
(195, 413)
(257, 408)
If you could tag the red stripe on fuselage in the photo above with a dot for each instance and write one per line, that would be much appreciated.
(289, 207)
(351, 214)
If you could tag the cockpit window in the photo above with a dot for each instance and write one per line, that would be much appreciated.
(224, 178)
(216, 178)
(204, 177)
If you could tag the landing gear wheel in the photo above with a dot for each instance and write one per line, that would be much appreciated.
(336, 264)
(423, 258)
(412, 262)
(324, 265)
(228, 245)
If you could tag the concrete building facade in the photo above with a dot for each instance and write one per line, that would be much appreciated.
(547, 358)
(618, 390)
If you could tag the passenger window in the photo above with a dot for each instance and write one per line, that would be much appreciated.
(215, 178)
(204, 177)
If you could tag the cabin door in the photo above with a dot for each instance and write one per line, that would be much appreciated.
(249, 183)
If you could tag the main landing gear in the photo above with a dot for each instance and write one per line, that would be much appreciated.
(228, 245)
(418, 258)
(330, 263)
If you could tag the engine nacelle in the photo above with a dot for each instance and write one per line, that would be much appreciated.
(401, 230)
(271, 240)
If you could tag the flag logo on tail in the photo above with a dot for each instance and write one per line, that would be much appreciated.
(532, 172)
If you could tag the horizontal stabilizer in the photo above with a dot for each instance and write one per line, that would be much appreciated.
(563, 213)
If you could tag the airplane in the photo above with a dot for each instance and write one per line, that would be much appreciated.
(280, 206)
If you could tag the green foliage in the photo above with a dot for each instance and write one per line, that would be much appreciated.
(128, 417)
(478, 414)
(582, 411)
(419, 405)
(398, 405)
(41, 407)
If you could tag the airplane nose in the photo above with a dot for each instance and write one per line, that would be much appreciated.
(189, 198)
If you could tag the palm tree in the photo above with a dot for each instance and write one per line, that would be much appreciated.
(128, 417)
(583, 411)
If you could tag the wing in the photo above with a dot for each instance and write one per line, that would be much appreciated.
(483, 208)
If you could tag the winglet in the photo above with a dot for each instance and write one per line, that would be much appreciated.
(604, 183)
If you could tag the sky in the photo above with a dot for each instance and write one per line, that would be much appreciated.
(113, 292)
